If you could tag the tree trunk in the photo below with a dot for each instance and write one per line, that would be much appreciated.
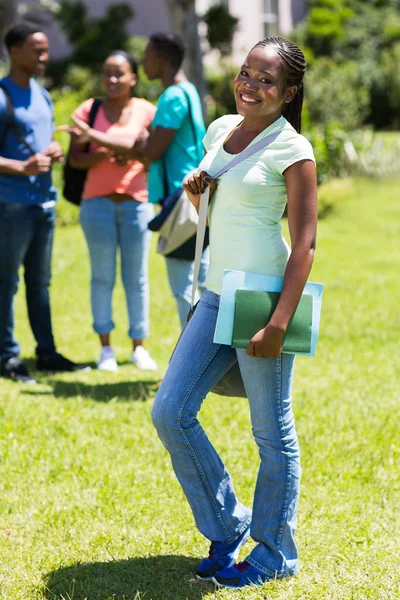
(184, 20)
(7, 16)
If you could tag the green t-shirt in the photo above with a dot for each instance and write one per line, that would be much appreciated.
(186, 149)
(246, 209)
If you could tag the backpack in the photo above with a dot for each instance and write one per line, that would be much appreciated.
(74, 178)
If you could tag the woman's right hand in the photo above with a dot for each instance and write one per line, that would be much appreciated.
(196, 185)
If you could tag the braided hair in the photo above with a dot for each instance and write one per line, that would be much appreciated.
(294, 67)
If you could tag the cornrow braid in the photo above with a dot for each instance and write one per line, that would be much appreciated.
(294, 67)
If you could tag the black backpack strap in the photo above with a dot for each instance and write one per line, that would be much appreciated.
(11, 124)
(97, 102)
(9, 114)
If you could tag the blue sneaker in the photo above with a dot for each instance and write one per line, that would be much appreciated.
(221, 556)
(239, 575)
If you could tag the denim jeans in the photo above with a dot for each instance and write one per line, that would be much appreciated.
(26, 237)
(107, 226)
(180, 276)
(196, 366)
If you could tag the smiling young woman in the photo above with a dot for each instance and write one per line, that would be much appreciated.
(246, 235)
(115, 209)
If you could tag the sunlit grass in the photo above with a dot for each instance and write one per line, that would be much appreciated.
(89, 505)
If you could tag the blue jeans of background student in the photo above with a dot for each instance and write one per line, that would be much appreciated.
(196, 366)
(26, 238)
(107, 226)
(180, 276)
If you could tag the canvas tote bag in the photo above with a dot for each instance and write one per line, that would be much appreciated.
(178, 227)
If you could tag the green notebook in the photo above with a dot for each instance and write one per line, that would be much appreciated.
(253, 310)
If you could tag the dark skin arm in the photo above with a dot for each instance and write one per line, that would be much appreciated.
(145, 147)
(34, 165)
(196, 185)
(155, 146)
(301, 183)
(86, 160)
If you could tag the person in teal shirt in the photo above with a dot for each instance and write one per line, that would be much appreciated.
(174, 149)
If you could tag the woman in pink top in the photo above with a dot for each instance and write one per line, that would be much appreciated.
(114, 210)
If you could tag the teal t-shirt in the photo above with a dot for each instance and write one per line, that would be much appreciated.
(185, 151)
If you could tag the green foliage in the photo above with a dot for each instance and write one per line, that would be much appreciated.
(333, 93)
(390, 62)
(221, 100)
(359, 36)
(94, 38)
(325, 24)
(328, 144)
(221, 27)
(374, 156)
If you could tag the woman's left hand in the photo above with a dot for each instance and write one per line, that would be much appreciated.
(266, 343)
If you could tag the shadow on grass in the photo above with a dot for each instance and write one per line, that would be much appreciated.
(100, 392)
(153, 578)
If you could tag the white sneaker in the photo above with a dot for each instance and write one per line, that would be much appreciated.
(107, 360)
(142, 359)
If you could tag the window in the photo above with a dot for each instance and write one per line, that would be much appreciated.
(270, 17)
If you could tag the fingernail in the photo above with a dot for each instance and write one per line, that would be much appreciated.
(208, 179)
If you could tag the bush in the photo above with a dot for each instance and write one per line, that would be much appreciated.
(325, 24)
(333, 93)
(365, 37)
(328, 144)
(391, 69)
(221, 101)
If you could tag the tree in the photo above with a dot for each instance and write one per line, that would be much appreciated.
(86, 35)
(7, 15)
(221, 28)
(10, 9)
(185, 21)
(325, 24)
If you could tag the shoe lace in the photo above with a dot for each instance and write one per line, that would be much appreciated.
(243, 566)
(212, 551)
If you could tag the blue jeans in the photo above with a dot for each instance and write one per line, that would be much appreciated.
(180, 276)
(26, 237)
(196, 366)
(107, 226)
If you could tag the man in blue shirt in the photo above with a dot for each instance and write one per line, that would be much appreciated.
(174, 149)
(27, 200)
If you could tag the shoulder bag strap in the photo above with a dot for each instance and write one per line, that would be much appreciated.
(190, 115)
(191, 120)
(204, 200)
(9, 113)
(12, 124)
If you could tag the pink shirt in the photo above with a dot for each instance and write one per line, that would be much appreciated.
(107, 177)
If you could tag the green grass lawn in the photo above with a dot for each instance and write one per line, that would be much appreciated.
(89, 505)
